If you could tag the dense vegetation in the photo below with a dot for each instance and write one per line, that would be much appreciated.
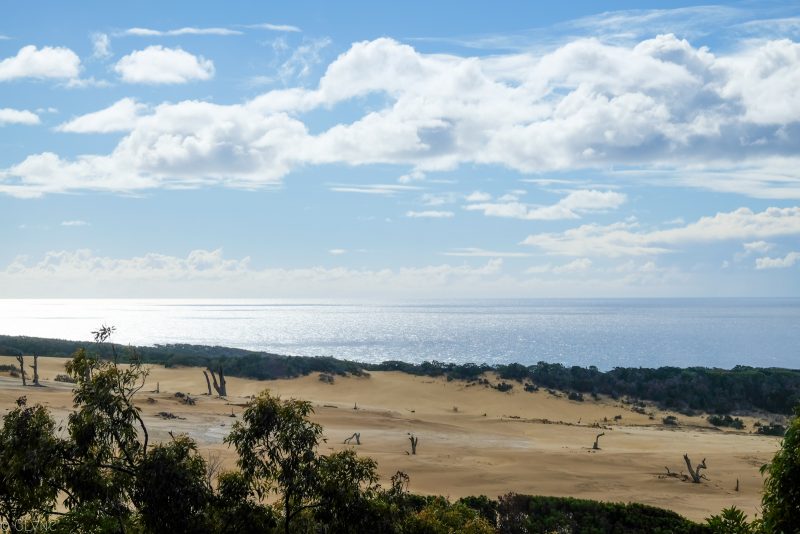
(111, 478)
(697, 388)
(237, 362)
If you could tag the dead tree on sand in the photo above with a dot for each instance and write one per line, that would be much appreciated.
(596, 445)
(695, 472)
(35, 368)
(220, 386)
(414, 440)
(357, 436)
(21, 360)
(208, 383)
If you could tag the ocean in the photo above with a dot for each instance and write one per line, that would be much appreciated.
(605, 333)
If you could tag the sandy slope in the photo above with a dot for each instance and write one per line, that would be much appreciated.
(472, 439)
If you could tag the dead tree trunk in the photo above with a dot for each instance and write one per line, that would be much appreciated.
(208, 382)
(219, 387)
(414, 440)
(695, 472)
(596, 445)
(35, 368)
(357, 436)
(21, 360)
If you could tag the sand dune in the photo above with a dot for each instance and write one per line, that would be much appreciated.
(472, 439)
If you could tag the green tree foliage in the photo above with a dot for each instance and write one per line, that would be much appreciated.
(443, 517)
(276, 445)
(520, 514)
(29, 468)
(235, 511)
(171, 492)
(781, 500)
(733, 521)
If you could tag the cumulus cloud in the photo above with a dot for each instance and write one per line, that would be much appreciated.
(41, 63)
(17, 116)
(657, 106)
(569, 207)
(121, 116)
(430, 214)
(101, 45)
(148, 32)
(160, 65)
(789, 260)
(625, 239)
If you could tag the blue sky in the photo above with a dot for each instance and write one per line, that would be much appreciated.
(357, 149)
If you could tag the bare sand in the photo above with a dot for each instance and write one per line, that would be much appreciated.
(472, 439)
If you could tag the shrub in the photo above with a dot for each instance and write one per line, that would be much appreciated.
(772, 429)
(726, 420)
(670, 420)
(61, 377)
(574, 396)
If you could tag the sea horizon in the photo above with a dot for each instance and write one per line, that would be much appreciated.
(604, 332)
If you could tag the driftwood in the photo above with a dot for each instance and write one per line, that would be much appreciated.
(695, 472)
(596, 445)
(414, 441)
(357, 436)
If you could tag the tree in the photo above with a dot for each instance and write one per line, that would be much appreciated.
(276, 445)
(346, 488)
(108, 438)
(29, 466)
(781, 499)
(233, 510)
(171, 492)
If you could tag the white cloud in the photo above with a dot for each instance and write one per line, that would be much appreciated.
(789, 260)
(430, 214)
(303, 59)
(478, 196)
(337, 251)
(373, 189)
(17, 116)
(101, 45)
(148, 32)
(758, 246)
(575, 266)
(662, 108)
(160, 65)
(82, 273)
(622, 239)
(41, 63)
(472, 252)
(569, 207)
(275, 27)
(74, 223)
(121, 116)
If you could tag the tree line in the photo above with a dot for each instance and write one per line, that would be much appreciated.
(718, 391)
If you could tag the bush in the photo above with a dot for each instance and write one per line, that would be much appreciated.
(574, 396)
(670, 420)
(526, 513)
(772, 429)
(727, 421)
(503, 387)
(61, 377)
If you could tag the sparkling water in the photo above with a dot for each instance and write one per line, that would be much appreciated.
(606, 333)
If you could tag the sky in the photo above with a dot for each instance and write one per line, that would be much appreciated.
(399, 150)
